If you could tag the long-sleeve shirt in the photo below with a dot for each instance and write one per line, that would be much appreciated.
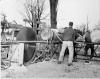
(87, 37)
(68, 34)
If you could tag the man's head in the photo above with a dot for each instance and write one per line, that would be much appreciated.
(88, 31)
(70, 24)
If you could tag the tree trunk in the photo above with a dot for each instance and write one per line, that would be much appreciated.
(53, 11)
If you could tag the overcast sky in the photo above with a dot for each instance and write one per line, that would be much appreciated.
(14, 10)
(68, 10)
(77, 11)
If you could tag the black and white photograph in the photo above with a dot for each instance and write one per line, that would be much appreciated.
(49, 39)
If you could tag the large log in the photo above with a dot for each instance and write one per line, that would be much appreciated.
(27, 34)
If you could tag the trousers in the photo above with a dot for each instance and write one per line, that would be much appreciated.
(66, 44)
(92, 50)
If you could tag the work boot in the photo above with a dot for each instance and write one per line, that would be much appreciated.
(87, 61)
(59, 62)
(70, 64)
(75, 60)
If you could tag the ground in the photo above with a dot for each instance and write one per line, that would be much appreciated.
(50, 69)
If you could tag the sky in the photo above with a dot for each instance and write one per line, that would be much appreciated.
(77, 11)
(68, 10)
(14, 10)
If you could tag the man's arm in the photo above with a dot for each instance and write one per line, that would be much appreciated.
(74, 34)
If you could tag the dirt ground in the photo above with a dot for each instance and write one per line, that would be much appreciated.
(50, 69)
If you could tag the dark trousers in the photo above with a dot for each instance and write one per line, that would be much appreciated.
(75, 53)
(91, 46)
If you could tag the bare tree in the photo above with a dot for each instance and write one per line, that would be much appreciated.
(53, 11)
(3, 23)
(34, 10)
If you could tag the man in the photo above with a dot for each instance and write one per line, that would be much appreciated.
(87, 38)
(68, 38)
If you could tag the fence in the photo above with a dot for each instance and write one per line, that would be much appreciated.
(16, 51)
(93, 43)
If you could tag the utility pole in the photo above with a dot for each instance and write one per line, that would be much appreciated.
(87, 28)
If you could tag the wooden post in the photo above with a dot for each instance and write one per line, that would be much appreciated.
(12, 34)
(21, 54)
